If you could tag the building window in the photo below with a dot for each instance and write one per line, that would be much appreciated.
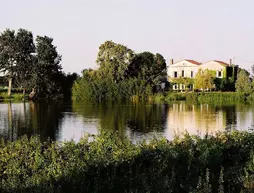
(175, 74)
(219, 74)
(182, 73)
(191, 74)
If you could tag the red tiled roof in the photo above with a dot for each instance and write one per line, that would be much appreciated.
(222, 63)
(193, 62)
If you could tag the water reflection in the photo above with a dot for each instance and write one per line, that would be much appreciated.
(18, 119)
(200, 118)
(137, 121)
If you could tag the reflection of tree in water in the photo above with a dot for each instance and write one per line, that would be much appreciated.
(232, 113)
(117, 117)
(45, 118)
(147, 118)
(230, 116)
(32, 118)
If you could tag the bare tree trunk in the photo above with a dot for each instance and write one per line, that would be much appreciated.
(10, 86)
(24, 93)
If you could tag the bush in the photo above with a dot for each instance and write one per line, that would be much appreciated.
(106, 163)
(3, 96)
(107, 90)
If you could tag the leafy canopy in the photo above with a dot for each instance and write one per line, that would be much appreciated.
(243, 82)
(113, 60)
(204, 80)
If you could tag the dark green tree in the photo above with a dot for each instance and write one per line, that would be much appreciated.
(47, 75)
(147, 66)
(16, 55)
(25, 49)
(8, 55)
(68, 81)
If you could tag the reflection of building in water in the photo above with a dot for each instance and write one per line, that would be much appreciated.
(195, 119)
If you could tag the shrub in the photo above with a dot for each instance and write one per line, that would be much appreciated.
(107, 90)
(106, 163)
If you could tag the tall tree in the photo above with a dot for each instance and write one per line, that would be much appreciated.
(8, 55)
(15, 53)
(25, 61)
(114, 60)
(243, 82)
(47, 74)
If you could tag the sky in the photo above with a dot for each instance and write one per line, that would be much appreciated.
(201, 30)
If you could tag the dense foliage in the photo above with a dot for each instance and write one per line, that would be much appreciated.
(104, 163)
(243, 83)
(28, 65)
(122, 74)
(204, 80)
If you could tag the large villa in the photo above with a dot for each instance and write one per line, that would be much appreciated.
(189, 68)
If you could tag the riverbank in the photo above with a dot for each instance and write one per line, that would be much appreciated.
(106, 163)
(203, 97)
(14, 97)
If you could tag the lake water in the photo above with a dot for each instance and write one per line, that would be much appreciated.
(137, 121)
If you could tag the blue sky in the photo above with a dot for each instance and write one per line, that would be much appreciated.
(193, 29)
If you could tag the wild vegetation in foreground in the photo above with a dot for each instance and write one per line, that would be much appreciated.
(106, 163)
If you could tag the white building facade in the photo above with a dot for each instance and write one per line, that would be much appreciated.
(189, 69)
(185, 69)
(217, 66)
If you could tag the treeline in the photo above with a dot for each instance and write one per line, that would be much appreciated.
(122, 74)
(33, 66)
(105, 163)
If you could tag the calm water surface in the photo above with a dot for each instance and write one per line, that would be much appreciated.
(70, 121)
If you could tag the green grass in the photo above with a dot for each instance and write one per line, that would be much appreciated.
(206, 97)
(106, 163)
(17, 96)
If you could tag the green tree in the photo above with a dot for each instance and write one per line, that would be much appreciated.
(47, 75)
(16, 53)
(8, 55)
(148, 67)
(204, 80)
(122, 74)
(243, 82)
(25, 62)
(114, 60)
(187, 82)
(252, 71)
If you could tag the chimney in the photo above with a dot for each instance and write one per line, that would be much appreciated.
(230, 62)
(171, 61)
